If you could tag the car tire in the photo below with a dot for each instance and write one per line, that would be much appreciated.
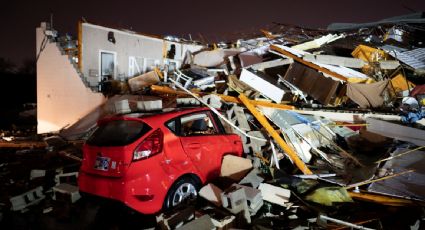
(184, 188)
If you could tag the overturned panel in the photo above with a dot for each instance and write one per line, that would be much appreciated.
(396, 131)
(264, 84)
(313, 83)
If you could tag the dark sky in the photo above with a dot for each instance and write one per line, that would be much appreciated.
(213, 19)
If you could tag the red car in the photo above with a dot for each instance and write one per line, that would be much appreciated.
(151, 162)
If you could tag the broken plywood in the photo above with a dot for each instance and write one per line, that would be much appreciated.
(274, 194)
(313, 83)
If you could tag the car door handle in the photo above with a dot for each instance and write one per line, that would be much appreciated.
(194, 145)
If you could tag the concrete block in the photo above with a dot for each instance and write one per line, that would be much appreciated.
(211, 193)
(256, 145)
(122, 106)
(235, 167)
(149, 105)
(234, 200)
(66, 190)
(20, 202)
(213, 101)
(187, 101)
(253, 197)
(36, 173)
(203, 222)
(237, 116)
(68, 177)
(274, 194)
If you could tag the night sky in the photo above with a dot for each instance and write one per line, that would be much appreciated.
(213, 19)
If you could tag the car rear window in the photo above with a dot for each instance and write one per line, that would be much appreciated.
(118, 133)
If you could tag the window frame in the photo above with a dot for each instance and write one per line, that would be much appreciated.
(100, 63)
(178, 126)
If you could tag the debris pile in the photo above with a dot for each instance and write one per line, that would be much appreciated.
(330, 123)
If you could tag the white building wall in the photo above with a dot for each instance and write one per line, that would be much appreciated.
(95, 39)
(62, 97)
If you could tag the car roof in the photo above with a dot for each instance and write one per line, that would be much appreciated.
(161, 116)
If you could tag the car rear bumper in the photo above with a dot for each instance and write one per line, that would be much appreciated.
(139, 195)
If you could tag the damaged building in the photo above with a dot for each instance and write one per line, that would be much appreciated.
(70, 70)
(290, 128)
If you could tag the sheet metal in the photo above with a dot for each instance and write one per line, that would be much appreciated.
(413, 58)
(410, 185)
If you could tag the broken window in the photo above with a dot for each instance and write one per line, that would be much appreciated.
(193, 125)
(118, 133)
(107, 64)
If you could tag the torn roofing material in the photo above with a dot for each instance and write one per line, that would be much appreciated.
(413, 58)
(417, 18)
(408, 185)
(339, 72)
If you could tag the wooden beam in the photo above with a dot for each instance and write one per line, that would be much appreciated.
(164, 89)
(23, 144)
(80, 45)
(307, 63)
(279, 140)
(159, 73)
(381, 199)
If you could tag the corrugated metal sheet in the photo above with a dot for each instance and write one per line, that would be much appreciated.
(413, 58)
(409, 185)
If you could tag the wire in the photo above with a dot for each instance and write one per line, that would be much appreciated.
(42, 47)
(215, 111)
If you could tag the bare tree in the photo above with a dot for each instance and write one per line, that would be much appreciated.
(7, 66)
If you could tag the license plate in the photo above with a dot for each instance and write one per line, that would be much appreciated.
(102, 163)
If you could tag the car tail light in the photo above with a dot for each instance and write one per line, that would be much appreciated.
(150, 146)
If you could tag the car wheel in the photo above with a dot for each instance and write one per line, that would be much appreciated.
(185, 188)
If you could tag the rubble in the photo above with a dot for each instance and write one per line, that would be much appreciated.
(66, 190)
(274, 194)
(234, 167)
(22, 201)
(327, 125)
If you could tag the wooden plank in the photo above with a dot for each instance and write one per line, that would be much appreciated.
(264, 122)
(381, 199)
(164, 89)
(23, 144)
(314, 66)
